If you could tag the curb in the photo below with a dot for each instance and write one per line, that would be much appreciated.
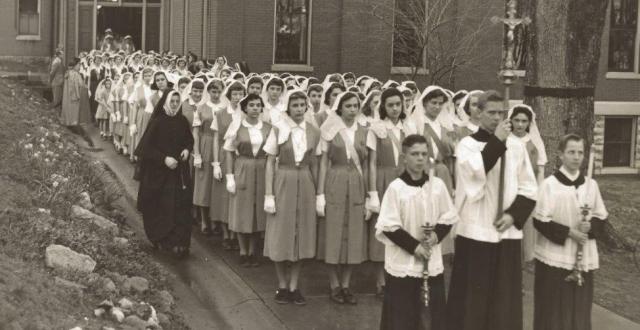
(227, 299)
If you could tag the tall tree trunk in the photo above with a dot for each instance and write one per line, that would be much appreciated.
(564, 51)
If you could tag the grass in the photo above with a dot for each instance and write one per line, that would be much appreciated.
(617, 285)
(42, 174)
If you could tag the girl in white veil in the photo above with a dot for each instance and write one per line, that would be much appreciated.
(525, 129)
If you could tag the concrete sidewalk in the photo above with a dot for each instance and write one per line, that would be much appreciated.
(242, 298)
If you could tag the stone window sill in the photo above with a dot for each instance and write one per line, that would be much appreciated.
(292, 67)
(408, 70)
(28, 38)
(622, 75)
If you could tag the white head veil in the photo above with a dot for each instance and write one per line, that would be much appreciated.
(533, 134)
(464, 118)
(419, 113)
(167, 104)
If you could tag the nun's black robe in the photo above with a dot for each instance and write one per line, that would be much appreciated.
(165, 195)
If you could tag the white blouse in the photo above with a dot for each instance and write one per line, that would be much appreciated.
(409, 207)
(255, 135)
(562, 204)
(396, 130)
(297, 133)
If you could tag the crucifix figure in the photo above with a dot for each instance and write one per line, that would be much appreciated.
(511, 22)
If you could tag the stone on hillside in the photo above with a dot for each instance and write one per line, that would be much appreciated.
(85, 201)
(121, 242)
(80, 213)
(135, 322)
(68, 284)
(163, 320)
(136, 284)
(166, 300)
(108, 285)
(117, 314)
(116, 277)
(63, 258)
(125, 303)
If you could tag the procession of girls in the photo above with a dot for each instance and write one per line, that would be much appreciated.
(301, 166)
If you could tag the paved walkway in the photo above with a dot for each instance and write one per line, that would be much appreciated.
(242, 298)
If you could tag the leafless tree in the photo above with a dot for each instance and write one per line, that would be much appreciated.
(435, 37)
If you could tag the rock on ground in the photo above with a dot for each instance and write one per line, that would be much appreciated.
(73, 285)
(63, 258)
(136, 284)
(85, 201)
(166, 300)
(108, 285)
(80, 213)
(135, 322)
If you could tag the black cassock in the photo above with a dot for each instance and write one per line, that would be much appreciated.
(165, 195)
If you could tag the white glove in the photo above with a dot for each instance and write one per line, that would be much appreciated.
(367, 212)
(125, 120)
(217, 171)
(231, 184)
(270, 204)
(197, 160)
(320, 205)
(133, 129)
(374, 202)
(118, 116)
(113, 117)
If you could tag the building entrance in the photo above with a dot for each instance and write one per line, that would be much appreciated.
(141, 20)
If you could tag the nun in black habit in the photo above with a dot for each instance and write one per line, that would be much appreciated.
(165, 193)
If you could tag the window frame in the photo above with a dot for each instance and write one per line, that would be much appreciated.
(307, 67)
(636, 58)
(29, 37)
(407, 70)
(632, 142)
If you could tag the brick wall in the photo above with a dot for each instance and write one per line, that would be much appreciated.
(598, 141)
(9, 31)
(195, 26)
(176, 44)
(637, 151)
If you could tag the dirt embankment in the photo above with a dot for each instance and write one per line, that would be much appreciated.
(42, 175)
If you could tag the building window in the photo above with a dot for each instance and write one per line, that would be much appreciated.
(623, 36)
(29, 18)
(409, 17)
(619, 133)
(291, 35)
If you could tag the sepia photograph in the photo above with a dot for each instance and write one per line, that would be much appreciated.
(320, 164)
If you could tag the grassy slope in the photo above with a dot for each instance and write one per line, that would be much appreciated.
(618, 279)
(29, 296)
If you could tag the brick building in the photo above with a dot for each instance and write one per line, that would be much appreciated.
(315, 37)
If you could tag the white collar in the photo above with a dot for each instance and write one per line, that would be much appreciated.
(192, 102)
(353, 127)
(526, 138)
(569, 176)
(389, 124)
(246, 124)
(292, 124)
(230, 109)
(431, 122)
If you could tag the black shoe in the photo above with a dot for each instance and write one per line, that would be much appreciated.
(349, 298)
(253, 261)
(244, 261)
(226, 244)
(283, 296)
(297, 298)
(217, 231)
(336, 296)
(380, 293)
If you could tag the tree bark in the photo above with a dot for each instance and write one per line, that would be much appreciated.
(564, 51)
